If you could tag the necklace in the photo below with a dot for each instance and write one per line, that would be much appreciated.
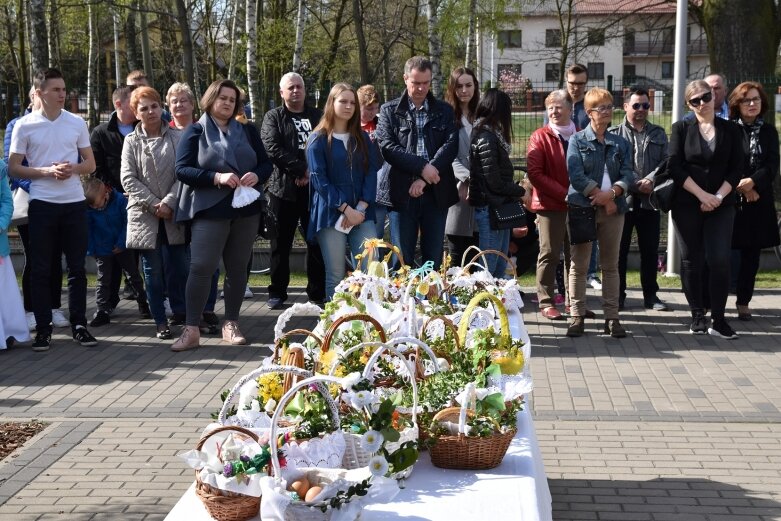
(707, 131)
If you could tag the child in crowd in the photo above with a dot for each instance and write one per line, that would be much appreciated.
(12, 319)
(107, 220)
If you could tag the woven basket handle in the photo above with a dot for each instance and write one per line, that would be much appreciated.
(370, 245)
(483, 253)
(319, 380)
(504, 321)
(295, 309)
(408, 301)
(419, 344)
(291, 333)
(331, 333)
(252, 375)
(466, 252)
(392, 350)
(448, 326)
(224, 428)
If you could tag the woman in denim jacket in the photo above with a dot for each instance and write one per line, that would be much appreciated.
(343, 167)
(600, 170)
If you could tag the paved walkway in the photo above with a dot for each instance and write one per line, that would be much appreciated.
(662, 425)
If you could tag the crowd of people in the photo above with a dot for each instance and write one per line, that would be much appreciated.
(181, 195)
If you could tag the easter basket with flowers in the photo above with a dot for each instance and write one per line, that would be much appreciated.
(320, 494)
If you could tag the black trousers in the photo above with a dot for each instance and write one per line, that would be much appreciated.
(705, 236)
(109, 268)
(646, 222)
(747, 275)
(55, 293)
(291, 216)
(53, 224)
(457, 245)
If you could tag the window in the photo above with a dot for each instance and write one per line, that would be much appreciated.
(552, 72)
(668, 70)
(596, 71)
(596, 37)
(630, 73)
(668, 40)
(510, 39)
(552, 37)
(629, 41)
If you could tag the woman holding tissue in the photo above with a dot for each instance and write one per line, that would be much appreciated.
(343, 168)
(222, 166)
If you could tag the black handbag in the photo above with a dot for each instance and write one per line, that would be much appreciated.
(581, 224)
(267, 227)
(663, 193)
(507, 216)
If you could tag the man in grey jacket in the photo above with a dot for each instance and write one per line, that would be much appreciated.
(649, 152)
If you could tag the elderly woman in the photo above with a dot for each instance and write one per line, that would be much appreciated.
(218, 157)
(181, 102)
(600, 170)
(463, 94)
(547, 170)
(149, 180)
(706, 162)
(755, 215)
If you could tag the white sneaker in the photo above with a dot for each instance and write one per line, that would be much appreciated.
(595, 283)
(167, 306)
(58, 319)
(248, 292)
(30, 320)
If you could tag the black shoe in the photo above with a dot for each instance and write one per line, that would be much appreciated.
(163, 333)
(143, 310)
(576, 327)
(83, 337)
(101, 319)
(211, 318)
(722, 329)
(275, 303)
(43, 340)
(177, 319)
(699, 325)
(614, 328)
(656, 304)
(210, 323)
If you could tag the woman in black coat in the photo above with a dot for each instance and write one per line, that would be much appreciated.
(706, 162)
(755, 215)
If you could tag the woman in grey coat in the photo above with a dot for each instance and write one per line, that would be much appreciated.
(149, 180)
(463, 93)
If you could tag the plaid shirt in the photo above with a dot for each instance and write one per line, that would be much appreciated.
(421, 118)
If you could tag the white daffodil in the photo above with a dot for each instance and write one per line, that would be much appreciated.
(270, 406)
(372, 441)
(378, 466)
(362, 399)
(350, 380)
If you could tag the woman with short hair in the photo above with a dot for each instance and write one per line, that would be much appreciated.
(216, 157)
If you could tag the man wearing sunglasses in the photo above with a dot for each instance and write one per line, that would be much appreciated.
(649, 151)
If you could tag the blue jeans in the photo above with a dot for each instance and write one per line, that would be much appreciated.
(165, 270)
(333, 243)
(420, 215)
(489, 239)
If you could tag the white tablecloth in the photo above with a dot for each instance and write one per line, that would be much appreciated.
(517, 490)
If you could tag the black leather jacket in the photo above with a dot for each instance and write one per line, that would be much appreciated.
(491, 171)
(107, 143)
(281, 140)
(397, 135)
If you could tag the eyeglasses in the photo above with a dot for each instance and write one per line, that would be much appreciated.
(602, 109)
(576, 83)
(705, 98)
(644, 106)
(748, 101)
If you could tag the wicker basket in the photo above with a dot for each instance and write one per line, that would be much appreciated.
(468, 452)
(328, 338)
(449, 326)
(223, 505)
(294, 355)
(480, 255)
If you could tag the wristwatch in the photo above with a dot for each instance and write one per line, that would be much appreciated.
(719, 196)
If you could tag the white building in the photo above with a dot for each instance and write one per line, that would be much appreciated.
(622, 42)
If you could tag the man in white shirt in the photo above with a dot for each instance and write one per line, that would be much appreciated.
(57, 148)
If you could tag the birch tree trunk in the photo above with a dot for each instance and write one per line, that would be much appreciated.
(24, 71)
(234, 36)
(434, 46)
(469, 59)
(53, 29)
(117, 68)
(250, 28)
(92, 66)
(297, 51)
(39, 37)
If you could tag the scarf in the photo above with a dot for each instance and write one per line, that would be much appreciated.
(564, 131)
(753, 142)
(502, 142)
(225, 151)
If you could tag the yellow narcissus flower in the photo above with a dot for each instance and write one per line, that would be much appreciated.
(269, 387)
(328, 360)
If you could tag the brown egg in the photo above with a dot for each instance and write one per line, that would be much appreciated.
(313, 492)
(300, 487)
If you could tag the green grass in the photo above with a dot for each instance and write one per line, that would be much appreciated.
(768, 279)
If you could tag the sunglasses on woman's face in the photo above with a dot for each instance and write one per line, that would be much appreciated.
(705, 98)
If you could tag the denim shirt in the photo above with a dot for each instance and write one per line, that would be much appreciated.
(586, 160)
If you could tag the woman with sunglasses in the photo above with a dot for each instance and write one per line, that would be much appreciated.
(599, 165)
(755, 215)
(706, 162)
